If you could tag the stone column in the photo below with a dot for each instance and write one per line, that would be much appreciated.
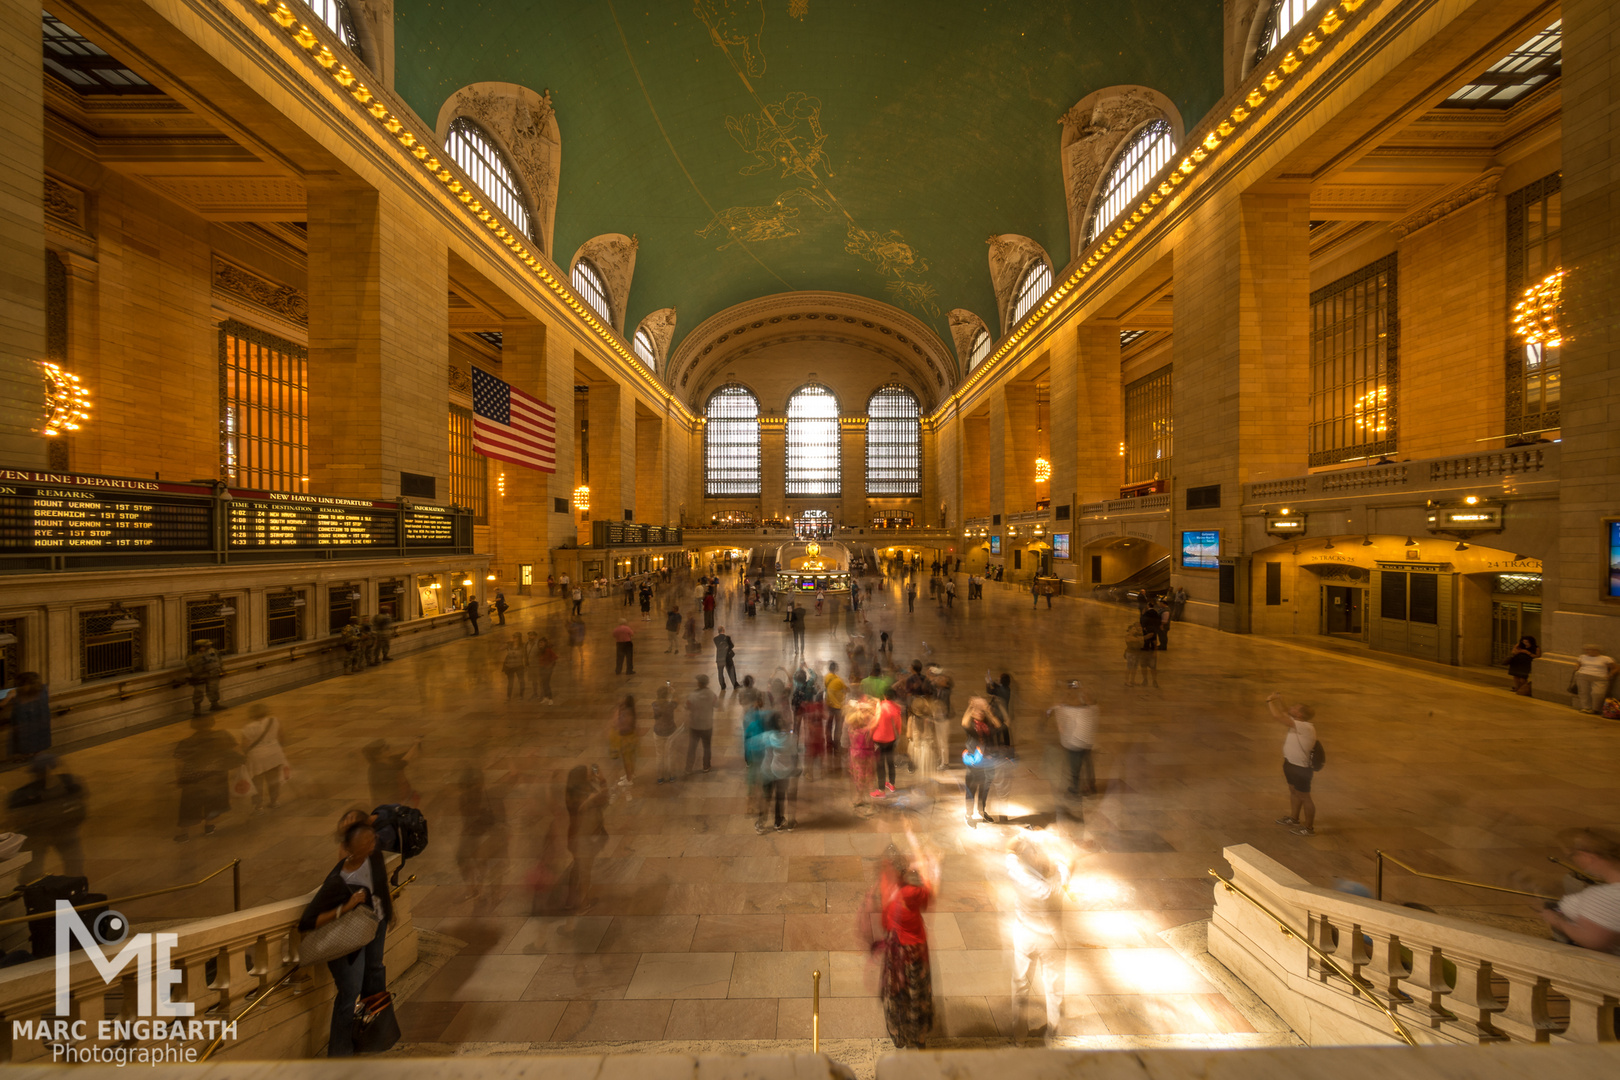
(1241, 400)
(22, 235)
(650, 434)
(852, 439)
(773, 468)
(975, 458)
(1087, 418)
(379, 332)
(609, 454)
(1021, 446)
(1589, 473)
(526, 523)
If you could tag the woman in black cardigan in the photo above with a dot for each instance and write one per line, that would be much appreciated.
(358, 878)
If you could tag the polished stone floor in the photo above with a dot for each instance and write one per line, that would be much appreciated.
(702, 930)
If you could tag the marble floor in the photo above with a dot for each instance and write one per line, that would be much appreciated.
(702, 930)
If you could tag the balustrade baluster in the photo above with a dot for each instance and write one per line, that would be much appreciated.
(1388, 965)
(1526, 1017)
(234, 981)
(1429, 985)
(194, 982)
(1475, 1001)
(1591, 1015)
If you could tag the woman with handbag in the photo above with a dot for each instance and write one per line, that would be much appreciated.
(351, 908)
(266, 765)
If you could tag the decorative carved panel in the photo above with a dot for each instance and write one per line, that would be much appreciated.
(614, 256)
(243, 284)
(1010, 256)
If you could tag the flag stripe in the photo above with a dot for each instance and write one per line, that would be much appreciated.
(511, 425)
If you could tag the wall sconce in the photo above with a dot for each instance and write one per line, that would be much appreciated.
(67, 402)
(467, 584)
(489, 577)
(7, 639)
(225, 606)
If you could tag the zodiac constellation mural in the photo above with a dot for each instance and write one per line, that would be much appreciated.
(787, 136)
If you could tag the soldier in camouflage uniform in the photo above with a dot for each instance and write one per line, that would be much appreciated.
(205, 666)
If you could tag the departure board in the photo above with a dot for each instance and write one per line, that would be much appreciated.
(290, 524)
(75, 514)
(425, 527)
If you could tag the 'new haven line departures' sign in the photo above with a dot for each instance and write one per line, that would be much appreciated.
(72, 513)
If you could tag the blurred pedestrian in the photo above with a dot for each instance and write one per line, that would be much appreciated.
(513, 663)
(1075, 719)
(1299, 758)
(1521, 661)
(473, 612)
(385, 772)
(27, 708)
(543, 659)
(483, 838)
(1590, 918)
(1038, 881)
(204, 667)
(672, 627)
(725, 657)
(49, 810)
(700, 706)
(663, 711)
(1593, 674)
(265, 762)
(586, 800)
(980, 757)
(203, 763)
(907, 886)
(624, 654)
(623, 736)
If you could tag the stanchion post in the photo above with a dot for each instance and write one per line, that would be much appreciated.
(236, 885)
(815, 1012)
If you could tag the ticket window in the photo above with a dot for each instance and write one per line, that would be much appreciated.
(391, 600)
(342, 604)
(213, 621)
(11, 633)
(430, 594)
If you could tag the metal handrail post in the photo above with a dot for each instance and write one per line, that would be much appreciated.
(815, 1012)
(1378, 877)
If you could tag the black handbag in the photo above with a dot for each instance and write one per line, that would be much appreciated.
(375, 1027)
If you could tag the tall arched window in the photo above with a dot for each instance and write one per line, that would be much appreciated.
(487, 167)
(1134, 167)
(1031, 287)
(813, 450)
(643, 344)
(335, 14)
(731, 444)
(894, 443)
(979, 349)
(589, 285)
(1280, 22)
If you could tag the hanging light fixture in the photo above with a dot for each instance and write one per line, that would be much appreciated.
(67, 402)
(1536, 317)
(1043, 470)
(225, 606)
(7, 639)
(582, 498)
(1366, 541)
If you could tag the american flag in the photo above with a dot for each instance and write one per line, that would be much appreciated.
(511, 425)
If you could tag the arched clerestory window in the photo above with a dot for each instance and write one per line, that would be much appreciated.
(1031, 287)
(731, 443)
(1280, 21)
(475, 151)
(894, 443)
(591, 288)
(643, 345)
(1133, 168)
(979, 349)
(814, 452)
(335, 14)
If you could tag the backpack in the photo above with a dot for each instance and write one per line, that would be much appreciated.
(1318, 756)
(401, 828)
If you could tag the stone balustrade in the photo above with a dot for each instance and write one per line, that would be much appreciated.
(224, 962)
(1142, 504)
(1414, 477)
(1450, 981)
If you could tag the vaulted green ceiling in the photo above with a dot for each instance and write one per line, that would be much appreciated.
(761, 146)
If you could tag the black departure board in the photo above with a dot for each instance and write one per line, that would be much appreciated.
(290, 524)
(429, 528)
(54, 517)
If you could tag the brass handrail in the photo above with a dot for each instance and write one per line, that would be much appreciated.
(1574, 872)
(235, 866)
(1360, 987)
(1378, 880)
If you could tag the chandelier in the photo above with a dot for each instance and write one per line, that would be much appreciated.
(67, 402)
(1536, 316)
(1043, 470)
(582, 498)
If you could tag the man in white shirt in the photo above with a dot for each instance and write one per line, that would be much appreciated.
(1039, 875)
(1076, 723)
(1297, 746)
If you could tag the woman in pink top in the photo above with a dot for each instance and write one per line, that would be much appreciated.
(862, 751)
(885, 732)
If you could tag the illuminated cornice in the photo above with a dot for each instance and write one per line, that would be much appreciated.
(1204, 153)
(310, 40)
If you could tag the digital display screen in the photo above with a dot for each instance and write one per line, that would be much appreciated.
(1201, 549)
(1614, 559)
(1060, 545)
(995, 545)
(428, 528)
(66, 516)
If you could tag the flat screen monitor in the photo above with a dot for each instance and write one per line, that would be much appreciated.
(1201, 549)
(995, 545)
(1060, 545)
(1614, 559)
